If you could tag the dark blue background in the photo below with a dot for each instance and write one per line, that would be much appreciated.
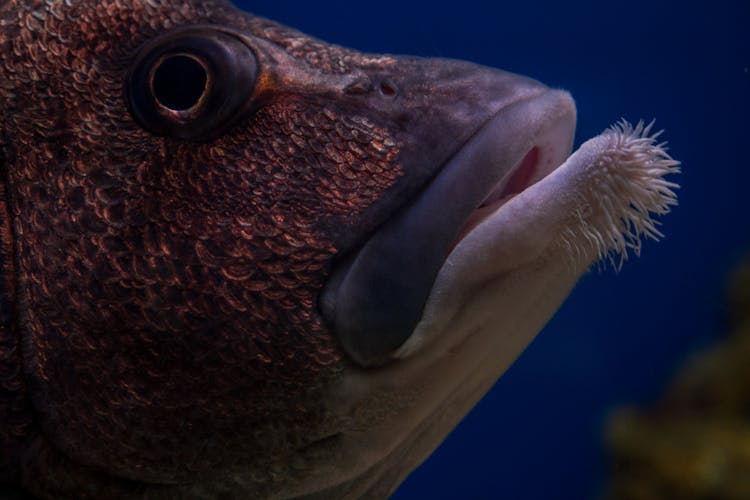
(619, 337)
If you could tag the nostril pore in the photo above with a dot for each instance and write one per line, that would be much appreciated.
(388, 89)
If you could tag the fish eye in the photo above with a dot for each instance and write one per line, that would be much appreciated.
(192, 83)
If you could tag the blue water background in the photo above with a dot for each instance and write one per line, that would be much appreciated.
(620, 336)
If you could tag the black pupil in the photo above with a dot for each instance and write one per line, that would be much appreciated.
(179, 82)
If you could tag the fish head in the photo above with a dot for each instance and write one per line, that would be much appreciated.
(239, 260)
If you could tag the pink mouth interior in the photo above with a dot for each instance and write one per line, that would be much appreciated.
(523, 176)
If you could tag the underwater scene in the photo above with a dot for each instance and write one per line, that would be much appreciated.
(570, 419)
(239, 261)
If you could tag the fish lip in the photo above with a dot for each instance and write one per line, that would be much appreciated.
(374, 301)
(549, 150)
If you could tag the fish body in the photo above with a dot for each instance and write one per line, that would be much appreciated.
(236, 261)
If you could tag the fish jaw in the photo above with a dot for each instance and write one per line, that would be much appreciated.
(500, 285)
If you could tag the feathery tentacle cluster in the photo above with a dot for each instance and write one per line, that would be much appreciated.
(626, 189)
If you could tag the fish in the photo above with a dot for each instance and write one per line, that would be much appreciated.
(239, 262)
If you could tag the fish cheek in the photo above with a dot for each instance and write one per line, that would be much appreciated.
(150, 342)
(182, 308)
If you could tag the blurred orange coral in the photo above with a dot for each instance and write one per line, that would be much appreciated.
(695, 443)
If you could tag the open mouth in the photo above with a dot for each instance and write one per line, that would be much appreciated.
(522, 176)
(551, 146)
(374, 301)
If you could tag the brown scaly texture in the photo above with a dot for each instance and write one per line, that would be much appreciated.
(200, 261)
(15, 411)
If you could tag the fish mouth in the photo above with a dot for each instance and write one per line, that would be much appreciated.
(523, 175)
(375, 299)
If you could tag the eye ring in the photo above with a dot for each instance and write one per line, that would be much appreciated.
(192, 83)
